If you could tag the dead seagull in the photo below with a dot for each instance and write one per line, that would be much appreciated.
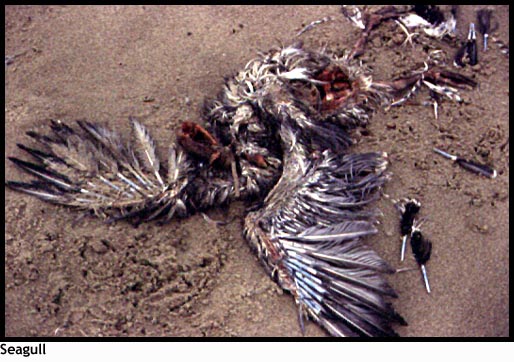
(279, 133)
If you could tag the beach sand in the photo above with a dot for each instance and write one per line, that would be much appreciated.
(80, 277)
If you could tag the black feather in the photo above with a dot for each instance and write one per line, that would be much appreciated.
(43, 173)
(421, 247)
(411, 209)
(430, 13)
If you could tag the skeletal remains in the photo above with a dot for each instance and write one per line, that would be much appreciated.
(279, 133)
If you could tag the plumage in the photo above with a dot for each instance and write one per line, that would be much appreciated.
(146, 150)
(409, 210)
(278, 134)
(421, 247)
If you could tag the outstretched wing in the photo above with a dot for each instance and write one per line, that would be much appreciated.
(94, 169)
(308, 236)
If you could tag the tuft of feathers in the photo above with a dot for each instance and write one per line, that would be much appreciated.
(314, 252)
(421, 247)
(93, 169)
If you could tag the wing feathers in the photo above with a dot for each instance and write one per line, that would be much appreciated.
(146, 149)
(94, 169)
(317, 219)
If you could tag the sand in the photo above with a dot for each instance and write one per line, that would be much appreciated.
(69, 276)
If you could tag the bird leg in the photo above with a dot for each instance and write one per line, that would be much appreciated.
(439, 81)
(439, 76)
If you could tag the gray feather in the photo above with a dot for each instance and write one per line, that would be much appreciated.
(146, 149)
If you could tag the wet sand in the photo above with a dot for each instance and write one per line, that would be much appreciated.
(80, 277)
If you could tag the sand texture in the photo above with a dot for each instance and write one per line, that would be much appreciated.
(81, 277)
